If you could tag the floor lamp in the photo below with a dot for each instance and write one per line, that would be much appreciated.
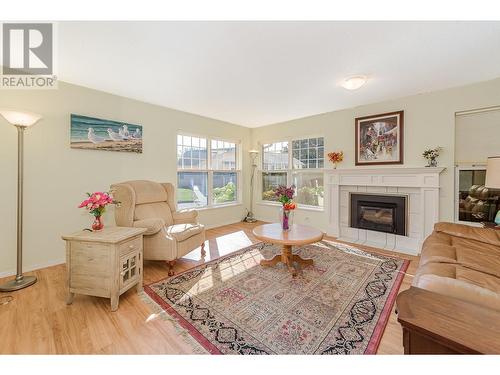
(22, 121)
(249, 218)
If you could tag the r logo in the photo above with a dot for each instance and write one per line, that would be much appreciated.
(27, 49)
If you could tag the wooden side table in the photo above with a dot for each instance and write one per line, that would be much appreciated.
(105, 264)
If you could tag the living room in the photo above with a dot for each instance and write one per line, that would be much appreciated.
(277, 187)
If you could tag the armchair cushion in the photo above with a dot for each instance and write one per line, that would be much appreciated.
(185, 217)
(153, 225)
(148, 192)
(182, 232)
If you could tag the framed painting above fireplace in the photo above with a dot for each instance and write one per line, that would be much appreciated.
(379, 139)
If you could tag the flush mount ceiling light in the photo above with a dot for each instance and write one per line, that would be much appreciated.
(354, 83)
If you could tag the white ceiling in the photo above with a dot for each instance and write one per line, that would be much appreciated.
(259, 73)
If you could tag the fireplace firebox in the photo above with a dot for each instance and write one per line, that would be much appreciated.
(381, 213)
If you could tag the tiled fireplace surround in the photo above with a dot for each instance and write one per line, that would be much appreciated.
(419, 185)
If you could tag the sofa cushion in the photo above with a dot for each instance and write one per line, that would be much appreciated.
(459, 282)
(484, 235)
(445, 248)
(182, 232)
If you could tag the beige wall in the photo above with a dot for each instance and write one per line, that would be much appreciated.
(429, 122)
(57, 177)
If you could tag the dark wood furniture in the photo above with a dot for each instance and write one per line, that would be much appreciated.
(437, 324)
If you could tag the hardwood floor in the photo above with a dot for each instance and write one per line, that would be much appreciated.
(38, 321)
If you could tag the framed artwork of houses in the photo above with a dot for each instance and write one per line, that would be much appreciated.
(379, 139)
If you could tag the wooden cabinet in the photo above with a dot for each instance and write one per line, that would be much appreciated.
(106, 263)
(438, 324)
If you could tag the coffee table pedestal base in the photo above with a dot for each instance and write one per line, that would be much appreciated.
(287, 258)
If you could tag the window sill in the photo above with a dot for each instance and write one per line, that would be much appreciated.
(299, 207)
(207, 208)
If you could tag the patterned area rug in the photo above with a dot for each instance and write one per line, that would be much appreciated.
(232, 305)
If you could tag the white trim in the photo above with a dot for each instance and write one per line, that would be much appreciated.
(478, 110)
(34, 267)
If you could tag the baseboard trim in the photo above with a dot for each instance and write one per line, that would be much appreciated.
(34, 267)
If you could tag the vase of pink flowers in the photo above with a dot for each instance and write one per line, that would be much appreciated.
(285, 197)
(96, 204)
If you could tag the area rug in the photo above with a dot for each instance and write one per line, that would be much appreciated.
(232, 305)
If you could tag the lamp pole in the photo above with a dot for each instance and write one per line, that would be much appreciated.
(250, 218)
(20, 281)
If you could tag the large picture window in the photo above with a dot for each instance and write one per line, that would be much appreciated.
(207, 172)
(301, 165)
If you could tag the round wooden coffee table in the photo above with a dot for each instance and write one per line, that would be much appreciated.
(296, 236)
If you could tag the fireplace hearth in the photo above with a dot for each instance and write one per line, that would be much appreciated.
(381, 213)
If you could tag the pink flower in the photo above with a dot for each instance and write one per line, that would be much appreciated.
(84, 203)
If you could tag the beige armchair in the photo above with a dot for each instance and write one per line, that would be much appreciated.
(170, 234)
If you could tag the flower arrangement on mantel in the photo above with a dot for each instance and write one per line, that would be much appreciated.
(96, 204)
(336, 157)
(431, 155)
(285, 197)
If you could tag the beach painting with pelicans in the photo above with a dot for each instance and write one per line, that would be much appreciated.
(96, 134)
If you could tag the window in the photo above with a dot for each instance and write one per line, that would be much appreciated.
(309, 188)
(270, 181)
(300, 166)
(275, 156)
(308, 153)
(207, 172)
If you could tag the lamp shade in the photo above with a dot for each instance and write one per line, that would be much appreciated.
(24, 119)
(493, 173)
(253, 151)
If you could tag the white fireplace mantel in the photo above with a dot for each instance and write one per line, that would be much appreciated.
(419, 185)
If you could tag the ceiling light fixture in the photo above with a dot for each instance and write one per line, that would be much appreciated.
(354, 83)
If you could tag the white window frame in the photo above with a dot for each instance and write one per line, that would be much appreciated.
(210, 171)
(290, 171)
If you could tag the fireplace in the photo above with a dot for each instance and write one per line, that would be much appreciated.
(380, 213)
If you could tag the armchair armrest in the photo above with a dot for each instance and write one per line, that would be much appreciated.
(185, 217)
(152, 225)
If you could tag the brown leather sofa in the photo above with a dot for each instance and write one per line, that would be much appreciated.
(453, 305)
(479, 204)
(462, 262)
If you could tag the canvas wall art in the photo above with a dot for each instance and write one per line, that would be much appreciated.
(379, 139)
(97, 134)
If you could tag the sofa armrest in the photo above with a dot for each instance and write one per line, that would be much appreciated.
(153, 225)
(185, 217)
